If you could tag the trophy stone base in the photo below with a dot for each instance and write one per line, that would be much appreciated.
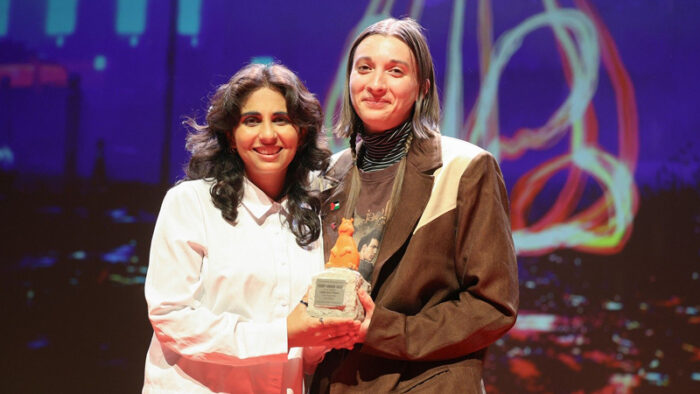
(334, 294)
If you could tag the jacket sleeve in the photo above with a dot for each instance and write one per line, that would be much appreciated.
(486, 271)
(174, 291)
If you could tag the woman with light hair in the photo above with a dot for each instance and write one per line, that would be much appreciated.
(444, 282)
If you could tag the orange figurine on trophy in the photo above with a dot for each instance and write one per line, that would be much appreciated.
(334, 291)
(344, 253)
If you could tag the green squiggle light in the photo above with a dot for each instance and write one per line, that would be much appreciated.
(585, 76)
(454, 97)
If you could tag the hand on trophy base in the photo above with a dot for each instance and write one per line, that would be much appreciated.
(334, 294)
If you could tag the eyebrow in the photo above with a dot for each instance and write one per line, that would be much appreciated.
(390, 61)
(250, 113)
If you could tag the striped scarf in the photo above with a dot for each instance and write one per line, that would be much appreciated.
(381, 150)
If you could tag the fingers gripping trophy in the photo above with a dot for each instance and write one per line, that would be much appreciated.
(334, 291)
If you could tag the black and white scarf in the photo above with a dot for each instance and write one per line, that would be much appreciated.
(381, 150)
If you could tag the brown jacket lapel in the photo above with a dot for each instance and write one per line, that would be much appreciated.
(423, 158)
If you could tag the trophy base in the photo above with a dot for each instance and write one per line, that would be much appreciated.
(334, 294)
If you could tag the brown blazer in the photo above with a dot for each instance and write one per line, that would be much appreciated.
(445, 280)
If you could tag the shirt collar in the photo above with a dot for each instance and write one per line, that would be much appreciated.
(259, 204)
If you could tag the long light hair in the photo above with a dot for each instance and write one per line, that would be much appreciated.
(426, 113)
(426, 110)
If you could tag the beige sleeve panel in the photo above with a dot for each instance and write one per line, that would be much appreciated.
(456, 156)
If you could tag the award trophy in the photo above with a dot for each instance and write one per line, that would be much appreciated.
(334, 291)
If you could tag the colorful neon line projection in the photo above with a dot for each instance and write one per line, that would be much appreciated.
(582, 40)
(603, 226)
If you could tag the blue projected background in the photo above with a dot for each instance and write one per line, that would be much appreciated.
(588, 104)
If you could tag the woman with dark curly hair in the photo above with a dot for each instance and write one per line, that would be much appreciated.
(236, 243)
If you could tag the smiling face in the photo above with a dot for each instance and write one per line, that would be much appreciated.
(383, 82)
(266, 140)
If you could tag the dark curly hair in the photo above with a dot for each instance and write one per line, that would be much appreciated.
(212, 156)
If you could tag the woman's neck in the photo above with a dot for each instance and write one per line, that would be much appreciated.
(271, 185)
(381, 150)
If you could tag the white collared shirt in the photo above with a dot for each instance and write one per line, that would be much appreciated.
(219, 294)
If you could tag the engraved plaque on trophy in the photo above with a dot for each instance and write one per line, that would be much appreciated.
(329, 292)
(334, 291)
